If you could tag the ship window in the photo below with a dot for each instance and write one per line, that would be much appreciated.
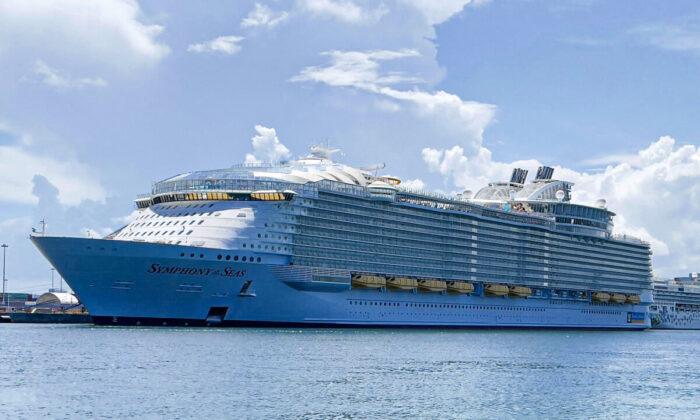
(218, 257)
(259, 259)
(243, 245)
(228, 257)
(191, 255)
(235, 258)
(244, 258)
(192, 222)
(200, 222)
(182, 254)
(190, 232)
(201, 255)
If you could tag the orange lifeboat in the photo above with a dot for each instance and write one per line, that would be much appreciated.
(368, 282)
(432, 285)
(401, 283)
(495, 289)
(460, 287)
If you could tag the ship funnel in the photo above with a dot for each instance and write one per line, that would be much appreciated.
(518, 176)
(544, 173)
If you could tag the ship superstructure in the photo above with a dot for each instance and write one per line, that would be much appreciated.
(315, 242)
(676, 303)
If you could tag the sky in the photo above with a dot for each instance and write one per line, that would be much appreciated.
(99, 99)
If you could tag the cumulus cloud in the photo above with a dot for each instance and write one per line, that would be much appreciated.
(261, 15)
(413, 184)
(125, 220)
(437, 12)
(361, 70)
(267, 147)
(224, 44)
(108, 31)
(662, 184)
(51, 77)
(344, 10)
(19, 164)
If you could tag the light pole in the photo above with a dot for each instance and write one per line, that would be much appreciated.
(52, 271)
(4, 280)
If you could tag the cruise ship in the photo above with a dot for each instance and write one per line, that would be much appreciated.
(676, 303)
(312, 242)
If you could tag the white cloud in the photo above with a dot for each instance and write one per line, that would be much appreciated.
(670, 37)
(125, 220)
(357, 69)
(360, 70)
(262, 15)
(53, 78)
(439, 11)
(413, 184)
(344, 10)
(656, 196)
(223, 44)
(108, 31)
(18, 166)
(267, 147)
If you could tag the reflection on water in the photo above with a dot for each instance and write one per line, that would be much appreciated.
(86, 371)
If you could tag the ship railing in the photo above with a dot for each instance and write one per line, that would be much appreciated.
(628, 238)
(256, 165)
(194, 185)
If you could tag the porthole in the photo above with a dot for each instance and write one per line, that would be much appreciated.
(191, 255)
(235, 258)
(244, 258)
(259, 259)
(201, 255)
(182, 254)
(228, 257)
(218, 257)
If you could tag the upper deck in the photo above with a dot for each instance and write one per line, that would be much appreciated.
(542, 202)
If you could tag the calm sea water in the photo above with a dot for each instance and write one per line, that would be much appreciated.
(69, 371)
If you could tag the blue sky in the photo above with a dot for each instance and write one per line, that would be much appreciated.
(99, 99)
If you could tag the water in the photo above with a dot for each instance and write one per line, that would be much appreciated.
(71, 371)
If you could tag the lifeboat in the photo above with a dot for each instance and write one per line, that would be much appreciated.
(369, 282)
(618, 298)
(601, 296)
(459, 287)
(634, 299)
(401, 283)
(519, 291)
(432, 285)
(495, 289)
